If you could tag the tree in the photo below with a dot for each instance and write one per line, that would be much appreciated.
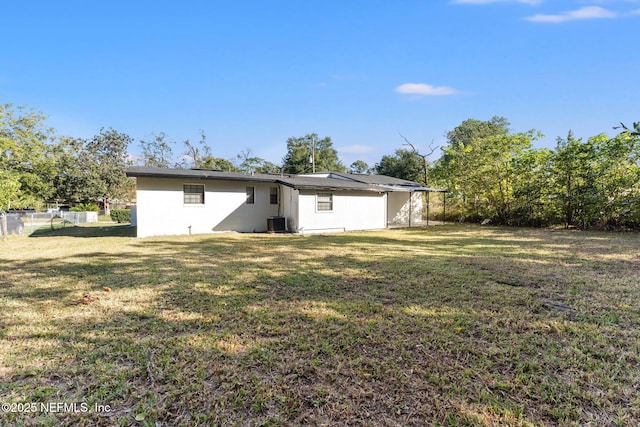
(105, 159)
(217, 163)
(9, 189)
(248, 163)
(199, 156)
(308, 153)
(268, 167)
(404, 164)
(25, 156)
(533, 189)
(76, 180)
(598, 180)
(472, 130)
(358, 166)
(253, 164)
(635, 131)
(477, 167)
(619, 180)
(575, 175)
(425, 157)
(157, 152)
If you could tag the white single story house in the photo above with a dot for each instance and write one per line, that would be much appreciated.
(195, 201)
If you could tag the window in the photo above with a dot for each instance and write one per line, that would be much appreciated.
(273, 195)
(325, 201)
(251, 195)
(193, 194)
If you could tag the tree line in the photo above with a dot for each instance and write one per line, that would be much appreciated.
(38, 167)
(490, 171)
(493, 173)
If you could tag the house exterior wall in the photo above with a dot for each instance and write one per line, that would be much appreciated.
(400, 205)
(161, 209)
(352, 210)
(289, 202)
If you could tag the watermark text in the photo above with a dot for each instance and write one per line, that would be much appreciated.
(54, 407)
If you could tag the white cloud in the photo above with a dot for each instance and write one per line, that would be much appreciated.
(531, 2)
(635, 12)
(425, 89)
(356, 149)
(589, 12)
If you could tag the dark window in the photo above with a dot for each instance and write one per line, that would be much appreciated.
(251, 195)
(325, 201)
(273, 195)
(193, 194)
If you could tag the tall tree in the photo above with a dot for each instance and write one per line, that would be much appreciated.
(217, 164)
(477, 166)
(358, 166)
(25, 156)
(307, 152)
(620, 180)
(472, 130)
(633, 131)
(268, 167)
(533, 189)
(247, 162)
(404, 164)
(253, 164)
(106, 158)
(574, 171)
(76, 179)
(425, 158)
(199, 156)
(9, 189)
(598, 180)
(157, 152)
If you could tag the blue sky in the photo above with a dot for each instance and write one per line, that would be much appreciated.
(253, 73)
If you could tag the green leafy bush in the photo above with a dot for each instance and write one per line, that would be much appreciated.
(85, 207)
(121, 215)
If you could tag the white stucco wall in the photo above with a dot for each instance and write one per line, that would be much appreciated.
(289, 202)
(351, 211)
(161, 209)
(399, 207)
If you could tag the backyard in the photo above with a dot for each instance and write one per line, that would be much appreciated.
(446, 325)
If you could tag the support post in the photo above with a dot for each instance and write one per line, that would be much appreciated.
(444, 204)
(428, 193)
(4, 229)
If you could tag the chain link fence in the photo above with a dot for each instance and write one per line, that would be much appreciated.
(27, 222)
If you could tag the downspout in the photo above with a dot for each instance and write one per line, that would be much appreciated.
(386, 211)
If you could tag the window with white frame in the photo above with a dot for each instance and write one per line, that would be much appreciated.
(273, 195)
(193, 194)
(324, 202)
(251, 198)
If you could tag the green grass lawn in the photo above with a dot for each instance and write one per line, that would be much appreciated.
(448, 325)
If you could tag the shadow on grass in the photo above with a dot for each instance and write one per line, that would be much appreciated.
(401, 328)
(108, 230)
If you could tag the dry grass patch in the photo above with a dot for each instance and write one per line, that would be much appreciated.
(450, 325)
